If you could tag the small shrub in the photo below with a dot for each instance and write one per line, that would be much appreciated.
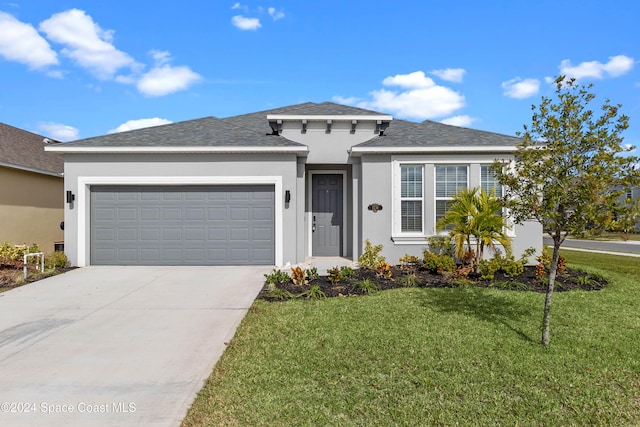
(6, 251)
(462, 272)
(312, 274)
(511, 267)
(371, 257)
(277, 277)
(299, 276)
(540, 272)
(367, 286)
(438, 264)
(346, 273)
(384, 270)
(410, 280)
(314, 292)
(276, 293)
(488, 268)
(55, 261)
(409, 262)
(440, 245)
(333, 274)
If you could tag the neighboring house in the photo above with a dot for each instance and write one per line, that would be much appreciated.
(31, 194)
(272, 187)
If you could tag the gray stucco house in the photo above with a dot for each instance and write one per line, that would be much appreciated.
(272, 187)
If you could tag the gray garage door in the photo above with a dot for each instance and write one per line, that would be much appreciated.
(182, 225)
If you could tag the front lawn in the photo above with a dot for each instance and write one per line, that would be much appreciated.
(436, 356)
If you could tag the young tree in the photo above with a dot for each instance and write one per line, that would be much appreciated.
(569, 170)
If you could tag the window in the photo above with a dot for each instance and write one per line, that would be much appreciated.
(411, 198)
(488, 181)
(449, 180)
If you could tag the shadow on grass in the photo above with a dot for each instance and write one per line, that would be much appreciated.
(478, 303)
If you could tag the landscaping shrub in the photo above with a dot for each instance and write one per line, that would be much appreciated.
(346, 272)
(371, 257)
(276, 277)
(299, 276)
(438, 264)
(56, 260)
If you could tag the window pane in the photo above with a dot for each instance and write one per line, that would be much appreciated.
(411, 181)
(450, 180)
(488, 180)
(411, 214)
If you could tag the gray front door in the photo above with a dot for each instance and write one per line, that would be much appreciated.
(182, 225)
(327, 227)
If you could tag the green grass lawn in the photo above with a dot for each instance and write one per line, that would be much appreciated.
(436, 357)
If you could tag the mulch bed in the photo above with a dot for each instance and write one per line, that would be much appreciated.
(11, 273)
(568, 280)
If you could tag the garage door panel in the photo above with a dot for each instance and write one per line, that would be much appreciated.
(183, 225)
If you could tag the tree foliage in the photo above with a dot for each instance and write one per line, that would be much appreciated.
(570, 170)
(475, 215)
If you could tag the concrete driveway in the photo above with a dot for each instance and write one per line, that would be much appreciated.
(117, 345)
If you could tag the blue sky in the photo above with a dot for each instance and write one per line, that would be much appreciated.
(76, 69)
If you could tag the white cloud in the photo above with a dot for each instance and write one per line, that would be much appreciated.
(275, 14)
(419, 97)
(238, 6)
(450, 74)
(58, 131)
(463, 121)
(139, 124)
(346, 101)
(245, 23)
(163, 78)
(617, 66)
(21, 42)
(86, 43)
(415, 80)
(521, 88)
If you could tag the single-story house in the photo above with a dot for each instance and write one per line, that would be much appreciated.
(272, 187)
(31, 194)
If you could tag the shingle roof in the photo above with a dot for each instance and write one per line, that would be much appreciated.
(252, 130)
(25, 150)
(428, 133)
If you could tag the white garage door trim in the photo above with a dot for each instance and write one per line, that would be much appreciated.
(85, 182)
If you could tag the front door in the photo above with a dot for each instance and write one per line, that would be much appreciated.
(326, 210)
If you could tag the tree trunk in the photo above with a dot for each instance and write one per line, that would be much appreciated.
(553, 270)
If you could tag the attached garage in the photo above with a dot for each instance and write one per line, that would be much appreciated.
(182, 225)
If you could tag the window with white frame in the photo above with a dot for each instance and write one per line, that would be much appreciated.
(411, 198)
(449, 180)
(489, 180)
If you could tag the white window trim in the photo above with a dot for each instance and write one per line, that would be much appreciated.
(396, 215)
(84, 190)
(310, 204)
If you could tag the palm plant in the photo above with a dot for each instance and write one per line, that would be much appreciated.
(475, 215)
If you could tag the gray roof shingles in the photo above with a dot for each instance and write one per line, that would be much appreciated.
(25, 150)
(252, 130)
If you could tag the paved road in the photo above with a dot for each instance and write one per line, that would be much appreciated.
(117, 346)
(632, 247)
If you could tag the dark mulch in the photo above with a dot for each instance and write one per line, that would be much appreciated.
(568, 280)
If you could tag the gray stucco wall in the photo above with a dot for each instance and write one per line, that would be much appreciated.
(184, 166)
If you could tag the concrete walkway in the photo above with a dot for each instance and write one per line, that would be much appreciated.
(117, 346)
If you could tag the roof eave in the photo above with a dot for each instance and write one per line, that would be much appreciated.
(177, 149)
(34, 170)
(358, 151)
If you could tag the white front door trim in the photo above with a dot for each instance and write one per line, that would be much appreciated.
(310, 204)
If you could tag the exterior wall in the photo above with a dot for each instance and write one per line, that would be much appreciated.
(329, 148)
(380, 184)
(31, 208)
(180, 169)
